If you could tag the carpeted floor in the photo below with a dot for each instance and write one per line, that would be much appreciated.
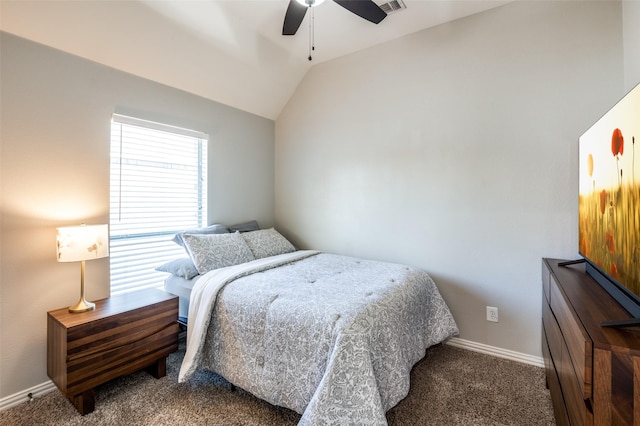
(450, 386)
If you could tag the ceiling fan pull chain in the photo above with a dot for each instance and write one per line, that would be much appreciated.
(311, 31)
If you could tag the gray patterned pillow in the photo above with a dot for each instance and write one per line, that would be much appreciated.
(267, 242)
(213, 251)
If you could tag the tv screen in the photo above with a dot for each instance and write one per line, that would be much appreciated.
(609, 202)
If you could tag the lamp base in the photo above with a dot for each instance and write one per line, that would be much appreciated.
(82, 306)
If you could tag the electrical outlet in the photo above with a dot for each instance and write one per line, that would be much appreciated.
(492, 314)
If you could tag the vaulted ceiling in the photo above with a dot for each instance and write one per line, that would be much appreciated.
(230, 51)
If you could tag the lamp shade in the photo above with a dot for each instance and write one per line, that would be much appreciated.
(85, 242)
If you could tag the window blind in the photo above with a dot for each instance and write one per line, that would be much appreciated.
(158, 187)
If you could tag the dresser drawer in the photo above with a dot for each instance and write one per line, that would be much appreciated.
(578, 343)
(552, 333)
(560, 361)
(553, 383)
(571, 390)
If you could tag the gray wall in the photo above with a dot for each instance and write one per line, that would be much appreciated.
(631, 31)
(455, 150)
(54, 170)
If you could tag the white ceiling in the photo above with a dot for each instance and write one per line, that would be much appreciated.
(230, 51)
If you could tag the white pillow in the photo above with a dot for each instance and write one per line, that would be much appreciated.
(267, 242)
(213, 251)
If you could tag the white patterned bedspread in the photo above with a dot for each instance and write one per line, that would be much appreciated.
(331, 337)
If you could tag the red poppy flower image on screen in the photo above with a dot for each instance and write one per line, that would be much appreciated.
(609, 201)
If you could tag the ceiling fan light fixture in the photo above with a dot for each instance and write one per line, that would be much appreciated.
(310, 3)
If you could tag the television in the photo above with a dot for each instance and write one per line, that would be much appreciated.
(609, 204)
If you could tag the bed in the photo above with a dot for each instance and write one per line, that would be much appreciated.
(331, 337)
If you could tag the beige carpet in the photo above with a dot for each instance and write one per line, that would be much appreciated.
(450, 386)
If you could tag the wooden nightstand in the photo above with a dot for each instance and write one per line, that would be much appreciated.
(123, 334)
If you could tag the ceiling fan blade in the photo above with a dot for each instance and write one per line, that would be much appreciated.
(366, 9)
(293, 18)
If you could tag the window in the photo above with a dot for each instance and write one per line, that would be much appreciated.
(158, 187)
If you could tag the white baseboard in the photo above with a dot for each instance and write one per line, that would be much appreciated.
(48, 386)
(23, 396)
(495, 351)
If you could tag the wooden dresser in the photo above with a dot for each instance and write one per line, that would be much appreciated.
(593, 372)
(122, 335)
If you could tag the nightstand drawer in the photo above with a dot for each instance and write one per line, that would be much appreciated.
(85, 372)
(113, 332)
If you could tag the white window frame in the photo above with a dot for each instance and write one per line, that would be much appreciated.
(141, 230)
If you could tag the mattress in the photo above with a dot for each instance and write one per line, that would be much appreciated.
(182, 288)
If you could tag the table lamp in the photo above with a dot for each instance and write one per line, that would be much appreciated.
(80, 243)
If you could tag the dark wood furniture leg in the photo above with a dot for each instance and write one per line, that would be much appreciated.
(84, 402)
(159, 369)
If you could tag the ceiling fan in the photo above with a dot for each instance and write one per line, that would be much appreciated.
(296, 10)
